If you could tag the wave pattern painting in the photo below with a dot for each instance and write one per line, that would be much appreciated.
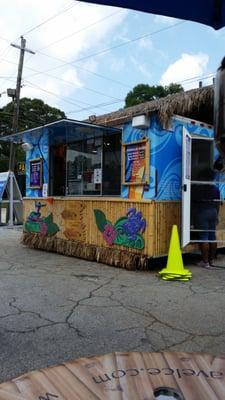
(40, 150)
(165, 156)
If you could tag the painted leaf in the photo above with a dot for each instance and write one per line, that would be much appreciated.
(32, 227)
(48, 219)
(52, 229)
(101, 220)
(119, 223)
(139, 242)
(122, 240)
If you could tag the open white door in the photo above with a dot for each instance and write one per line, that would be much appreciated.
(186, 187)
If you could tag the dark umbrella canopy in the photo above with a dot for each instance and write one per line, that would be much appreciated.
(208, 12)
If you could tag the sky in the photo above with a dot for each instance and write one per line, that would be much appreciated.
(88, 57)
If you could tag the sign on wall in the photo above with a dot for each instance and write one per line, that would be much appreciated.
(36, 173)
(4, 176)
(21, 168)
(135, 162)
(97, 175)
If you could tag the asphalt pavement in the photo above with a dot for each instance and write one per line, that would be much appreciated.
(55, 308)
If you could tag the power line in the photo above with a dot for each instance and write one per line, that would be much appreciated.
(77, 67)
(68, 82)
(96, 106)
(30, 84)
(6, 77)
(90, 106)
(129, 41)
(81, 30)
(101, 52)
(3, 38)
(50, 18)
(119, 45)
(195, 78)
(39, 25)
(114, 47)
(5, 51)
(84, 69)
(7, 48)
(73, 34)
(22, 119)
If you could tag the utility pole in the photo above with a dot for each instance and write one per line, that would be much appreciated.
(22, 49)
(16, 102)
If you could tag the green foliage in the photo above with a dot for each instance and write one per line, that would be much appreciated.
(33, 113)
(100, 220)
(121, 238)
(144, 92)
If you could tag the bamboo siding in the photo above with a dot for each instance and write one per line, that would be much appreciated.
(76, 221)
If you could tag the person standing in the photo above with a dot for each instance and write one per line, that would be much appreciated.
(205, 201)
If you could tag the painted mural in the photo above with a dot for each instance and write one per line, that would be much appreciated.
(40, 150)
(73, 221)
(165, 161)
(35, 223)
(165, 158)
(127, 231)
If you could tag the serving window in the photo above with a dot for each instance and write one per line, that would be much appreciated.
(91, 166)
(84, 162)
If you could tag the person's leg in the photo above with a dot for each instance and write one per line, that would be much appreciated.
(203, 226)
(212, 252)
(204, 248)
(212, 235)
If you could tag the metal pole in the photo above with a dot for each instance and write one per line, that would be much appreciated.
(17, 104)
(22, 49)
(10, 198)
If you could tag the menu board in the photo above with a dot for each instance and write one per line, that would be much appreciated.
(136, 163)
(36, 173)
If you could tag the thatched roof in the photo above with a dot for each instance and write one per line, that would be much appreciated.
(196, 104)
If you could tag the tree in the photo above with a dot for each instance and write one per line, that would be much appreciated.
(144, 92)
(32, 113)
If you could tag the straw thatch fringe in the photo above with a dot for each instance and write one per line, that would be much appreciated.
(105, 255)
(195, 103)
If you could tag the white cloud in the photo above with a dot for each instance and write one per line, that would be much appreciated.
(117, 65)
(70, 75)
(146, 43)
(90, 65)
(186, 67)
(161, 19)
(141, 67)
(85, 35)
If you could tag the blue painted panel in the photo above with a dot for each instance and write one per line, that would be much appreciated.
(165, 156)
(40, 150)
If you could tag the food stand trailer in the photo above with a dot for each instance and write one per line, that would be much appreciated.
(110, 190)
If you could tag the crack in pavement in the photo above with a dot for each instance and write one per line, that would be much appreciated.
(36, 328)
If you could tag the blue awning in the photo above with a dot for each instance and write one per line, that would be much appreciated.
(60, 132)
(208, 12)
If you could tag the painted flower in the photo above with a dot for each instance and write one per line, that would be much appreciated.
(134, 224)
(44, 228)
(109, 234)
